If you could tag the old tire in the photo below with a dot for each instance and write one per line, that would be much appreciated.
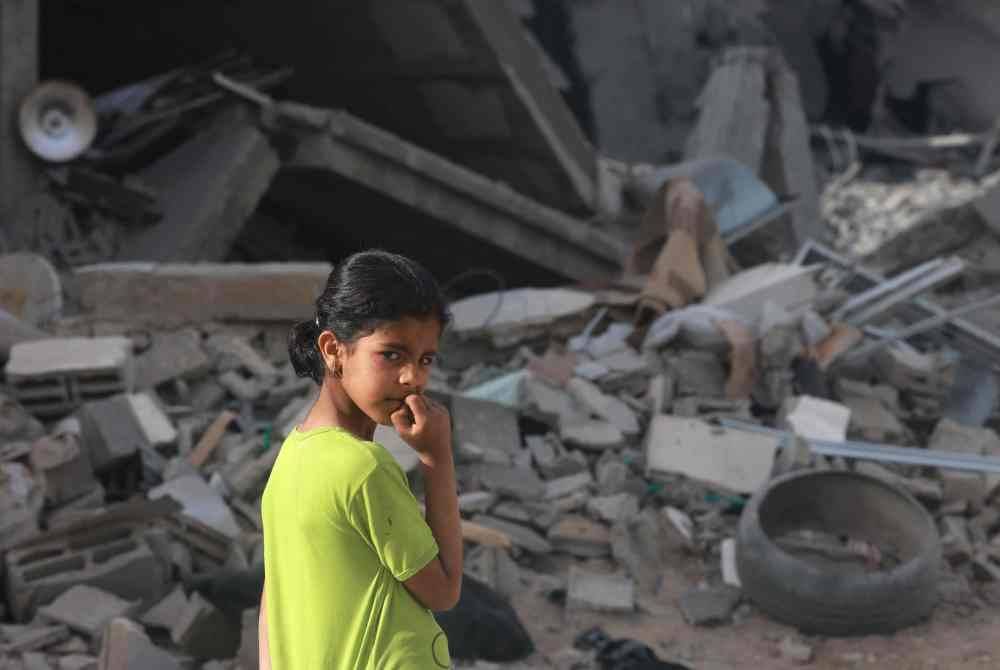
(827, 601)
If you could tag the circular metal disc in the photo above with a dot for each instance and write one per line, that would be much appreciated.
(58, 121)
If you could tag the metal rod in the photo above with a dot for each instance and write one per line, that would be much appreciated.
(869, 451)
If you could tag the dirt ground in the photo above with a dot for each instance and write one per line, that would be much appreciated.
(959, 636)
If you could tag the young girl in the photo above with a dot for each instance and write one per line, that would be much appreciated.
(352, 568)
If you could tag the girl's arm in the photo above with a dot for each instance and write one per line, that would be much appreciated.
(263, 650)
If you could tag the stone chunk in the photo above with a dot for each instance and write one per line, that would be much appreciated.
(66, 467)
(872, 421)
(580, 536)
(795, 650)
(476, 502)
(600, 593)
(970, 487)
(86, 609)
(164, 613)
(552, 459)
(950, 435)
(816, 418)
(709, 606)
(698, 373)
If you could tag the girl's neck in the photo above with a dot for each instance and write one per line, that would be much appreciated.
(334, 408)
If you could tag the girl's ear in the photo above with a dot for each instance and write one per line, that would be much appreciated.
(332, 351)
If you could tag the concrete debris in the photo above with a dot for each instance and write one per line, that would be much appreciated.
(599, 593)
(709, 606)
(512, 315)
(125, 646)
(817, 419)
(795, 650)
(86, 610)
(579, 536)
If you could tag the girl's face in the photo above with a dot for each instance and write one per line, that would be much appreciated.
(380, 369)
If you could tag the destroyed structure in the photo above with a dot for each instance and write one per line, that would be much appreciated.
(724, 347)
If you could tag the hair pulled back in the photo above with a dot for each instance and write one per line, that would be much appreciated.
(364, 290)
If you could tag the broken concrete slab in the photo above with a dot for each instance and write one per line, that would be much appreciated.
(489, 425)
(111, 432)
(174, 294)
(550, 405)
(476, 502)
(209, 186)
(171, 355)
(872, 421)
(125, 646)
(579, 536)
(950, 435)
(606, 407)
(518, 483)
(910, 370)
(417, 178)
(698, 373)
(204, 631)
(86, 609)
(200, 502)
(564, 486)
(792, 287)
(520, 535)
(709, 606)
(551, 459)
(154, 423)
(613, 508)
(495, 567)
(508, 314)
(737, 461)
(816, 418)
(599, 592)
(592, 435)
(54, 376)
(164, 613)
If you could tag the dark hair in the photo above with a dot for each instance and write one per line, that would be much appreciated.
(364, 291)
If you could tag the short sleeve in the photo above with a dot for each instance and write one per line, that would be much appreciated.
(386, 514)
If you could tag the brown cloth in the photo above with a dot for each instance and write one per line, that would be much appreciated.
(692, 261)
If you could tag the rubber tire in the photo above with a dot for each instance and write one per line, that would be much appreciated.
(803, 595)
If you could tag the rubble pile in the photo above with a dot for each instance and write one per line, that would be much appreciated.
(591, 453)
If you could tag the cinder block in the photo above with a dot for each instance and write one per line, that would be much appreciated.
(54, 376)
(117, 559)
(66, 466)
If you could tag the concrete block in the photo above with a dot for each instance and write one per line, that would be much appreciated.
(738, 461)
(195, 293)
(172, 355)
(872, 421)
(489, 425)
(111, 432)
(816, 418)
(709, 606)
(154, 423)
(592, 435)
(66, 467)
(203, 631)
(86, 609)
(950, 435)
(476, 502)
(200, 502)
(698, 373)
(518, 483)
(116, 559)
(579, 536)
(551, 459)
(600, 593)
(970, 487)
(56, 375)
(21, 499)
(521, 536)
(125, 646)
(564, 486)
(910, 370)
(495, 567)
(164, 613)
(606, 407)
(613, 508)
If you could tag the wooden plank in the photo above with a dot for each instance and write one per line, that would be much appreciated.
(211, 439)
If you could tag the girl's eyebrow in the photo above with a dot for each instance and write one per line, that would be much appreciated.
(403, 347)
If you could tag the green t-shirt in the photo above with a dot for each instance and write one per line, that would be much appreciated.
(342, 531)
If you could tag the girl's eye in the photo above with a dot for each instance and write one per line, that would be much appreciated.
(427, 360)
(391, 355)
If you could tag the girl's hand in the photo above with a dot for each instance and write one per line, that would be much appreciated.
(425, 425)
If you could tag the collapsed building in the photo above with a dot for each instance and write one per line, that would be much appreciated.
(649, 339)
